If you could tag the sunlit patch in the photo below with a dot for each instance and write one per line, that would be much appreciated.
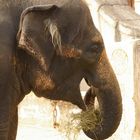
(97, 38)
(119, 61)
(44, 82)
(70, 52)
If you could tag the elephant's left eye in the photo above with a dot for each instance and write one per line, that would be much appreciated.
(93, 49)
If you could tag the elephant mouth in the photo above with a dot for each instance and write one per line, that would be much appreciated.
(101, 116)
(66, 92)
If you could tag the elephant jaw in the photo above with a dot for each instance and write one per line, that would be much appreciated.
(67, 90)
(69, 95)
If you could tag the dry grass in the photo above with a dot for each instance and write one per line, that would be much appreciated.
(74, 123)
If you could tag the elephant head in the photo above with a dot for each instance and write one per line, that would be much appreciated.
(58, 46)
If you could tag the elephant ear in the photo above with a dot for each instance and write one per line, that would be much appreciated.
(27, 43)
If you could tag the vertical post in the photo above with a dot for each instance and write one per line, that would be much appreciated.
(131, 3)
(137, 89)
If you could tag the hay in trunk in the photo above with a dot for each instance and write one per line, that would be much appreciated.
(84, 120)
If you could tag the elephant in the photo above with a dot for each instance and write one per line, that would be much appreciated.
(48, 47)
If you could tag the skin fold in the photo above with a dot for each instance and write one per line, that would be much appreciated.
(48, 47)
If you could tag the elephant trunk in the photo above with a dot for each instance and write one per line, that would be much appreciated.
(109, 98)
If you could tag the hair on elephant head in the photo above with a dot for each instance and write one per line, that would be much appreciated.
(53, 30)
(58, 46)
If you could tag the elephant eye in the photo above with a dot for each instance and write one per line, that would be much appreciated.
(93, 49)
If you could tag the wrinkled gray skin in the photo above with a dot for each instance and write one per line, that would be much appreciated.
(48, 49)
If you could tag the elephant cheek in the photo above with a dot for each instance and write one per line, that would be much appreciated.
(43, 83)
(108, 96)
